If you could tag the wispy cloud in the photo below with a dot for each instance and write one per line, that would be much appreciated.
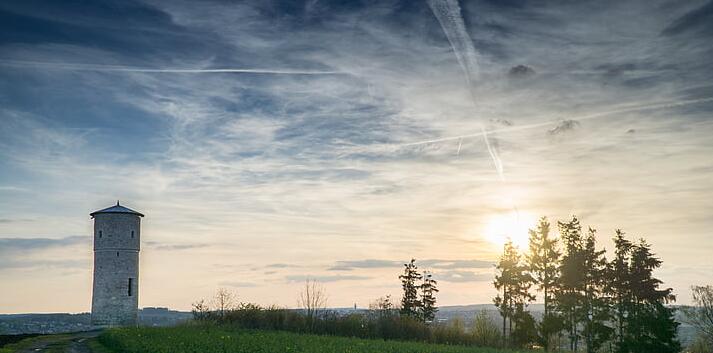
(297, 172)
(323, 278)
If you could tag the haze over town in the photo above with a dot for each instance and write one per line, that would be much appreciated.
(270, 143)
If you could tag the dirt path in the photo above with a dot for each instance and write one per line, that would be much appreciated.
(67, 343)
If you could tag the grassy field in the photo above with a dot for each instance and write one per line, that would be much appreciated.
(197, 339)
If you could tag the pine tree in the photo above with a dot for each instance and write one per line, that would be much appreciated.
(651, 326)
(596, 313)
(515, 282)
(618, 287)
(410, 303)
(428, 297)
(543, 261)
(505, 283)
(570, 292)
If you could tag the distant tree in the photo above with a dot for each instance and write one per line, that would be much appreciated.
(382, 306)
(543, 261)
(428, 297)
(313, 300)
(700, 315)
(485, 332)
(200, 310)
(410, 303)
(224, 301)
(570, 293)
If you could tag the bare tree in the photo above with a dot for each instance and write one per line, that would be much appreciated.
(313, 299)
(700, 316)
(200, 311)
(224, 301)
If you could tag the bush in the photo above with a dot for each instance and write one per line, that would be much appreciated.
(378, 324)
(485, 332)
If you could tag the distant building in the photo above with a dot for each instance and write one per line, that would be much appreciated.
(115, 297)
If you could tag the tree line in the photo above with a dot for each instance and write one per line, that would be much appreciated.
(591, 303)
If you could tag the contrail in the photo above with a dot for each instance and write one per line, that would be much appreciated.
(114, 68)
(649, 106)
(448, 13)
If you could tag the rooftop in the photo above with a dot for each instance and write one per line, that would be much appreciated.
(117, 209)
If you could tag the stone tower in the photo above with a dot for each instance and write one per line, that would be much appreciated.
(117, 238)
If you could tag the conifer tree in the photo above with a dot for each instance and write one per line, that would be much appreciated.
(410, 303)
(571, 289)
(543, 262)
(428, 297)
(515, 282)
(505, 284)
(596, 313)
(618, 287)
(651, 326)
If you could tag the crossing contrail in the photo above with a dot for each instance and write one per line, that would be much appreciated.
(448, 13)
(648, 106)
(115, 68)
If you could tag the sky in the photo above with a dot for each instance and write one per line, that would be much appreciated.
(268, 142)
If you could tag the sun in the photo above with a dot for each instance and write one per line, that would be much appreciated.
(511, 225)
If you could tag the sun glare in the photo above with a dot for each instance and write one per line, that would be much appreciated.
(512, 225)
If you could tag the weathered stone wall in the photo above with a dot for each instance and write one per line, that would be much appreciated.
(115, 296)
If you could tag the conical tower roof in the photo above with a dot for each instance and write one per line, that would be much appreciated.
(117, 209)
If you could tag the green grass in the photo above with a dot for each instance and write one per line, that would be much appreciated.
(194, 339)
(55, 343)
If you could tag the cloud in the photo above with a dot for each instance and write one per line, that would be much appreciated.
(564, 126)
(238, 284)
(462, 276)
(454, 264)
(425, 264)
(328, 278)
(30, 244)
(279, 167)
(521, 71)
(698, 19)
(161, 246)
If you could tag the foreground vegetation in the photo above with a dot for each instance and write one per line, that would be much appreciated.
(209, 338)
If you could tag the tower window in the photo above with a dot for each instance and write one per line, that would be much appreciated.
(100, 234)
(117, 254)
(129, 289)
(132, 234)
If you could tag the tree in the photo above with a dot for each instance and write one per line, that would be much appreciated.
(382, 306)
(485, 332)
(650, 326)
(200, 310)
(700, 315)
(543, 262)
(410, 303)
(313, 300)
(596, 311)
(618, 286)
(223, 302)
(570, 293)
(505, 283)
(428, 297)
(515, 282)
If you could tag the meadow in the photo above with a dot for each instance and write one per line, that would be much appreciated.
(206, 339)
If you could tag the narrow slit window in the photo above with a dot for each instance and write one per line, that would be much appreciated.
(100, 234)
(130, 283)
(132, 234)
(117, 254)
